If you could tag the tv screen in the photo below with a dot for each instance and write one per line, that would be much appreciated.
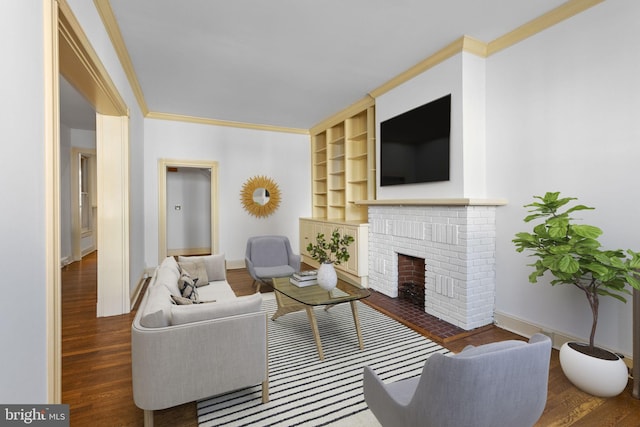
(414, 146)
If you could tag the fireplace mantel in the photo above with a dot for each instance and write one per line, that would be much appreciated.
(434, 202)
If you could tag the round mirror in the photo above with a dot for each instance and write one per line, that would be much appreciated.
(260, 196)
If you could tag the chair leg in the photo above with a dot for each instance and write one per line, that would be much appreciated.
(258, 284)
(265, 391)
(148, 418)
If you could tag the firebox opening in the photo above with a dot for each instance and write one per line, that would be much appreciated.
(411, 279)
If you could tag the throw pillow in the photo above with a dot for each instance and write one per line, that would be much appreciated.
(214, 264)
(196, 270)
(187, 287)
(181, 300)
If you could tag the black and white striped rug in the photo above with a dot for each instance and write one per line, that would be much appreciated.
(306, 391)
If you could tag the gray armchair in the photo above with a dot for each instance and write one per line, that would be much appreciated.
(497, 384)
(267, 257)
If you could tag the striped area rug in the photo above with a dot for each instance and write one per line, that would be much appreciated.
(305, 391)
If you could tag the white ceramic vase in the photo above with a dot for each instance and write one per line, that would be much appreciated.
(599, 377)
(327, 276)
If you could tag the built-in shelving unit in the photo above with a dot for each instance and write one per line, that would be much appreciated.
(343, 168)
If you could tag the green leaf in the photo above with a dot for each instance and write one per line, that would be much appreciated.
(558, 231)
(588, 231)
(567, 264)
(631, 280)
(578, 208)
(596, 268)
(604, 292)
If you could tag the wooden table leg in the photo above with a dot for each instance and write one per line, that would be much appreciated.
(356, 320)
(316, 332)
(286, 305)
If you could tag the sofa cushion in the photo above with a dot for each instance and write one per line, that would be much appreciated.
(181, 314)
(196, 270)
(214, 264)
(218, 290)
(157, 310)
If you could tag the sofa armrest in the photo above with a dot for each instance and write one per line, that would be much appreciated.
(184, 363)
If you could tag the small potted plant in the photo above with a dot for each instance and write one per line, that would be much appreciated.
(572, 254)
(328, 253)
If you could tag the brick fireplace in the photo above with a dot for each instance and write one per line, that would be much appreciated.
(455, 239)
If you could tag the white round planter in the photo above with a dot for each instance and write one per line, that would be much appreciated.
(599, 377)
(327, 277)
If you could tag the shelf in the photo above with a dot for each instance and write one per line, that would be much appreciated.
(362, 136)
(339, 140)
(338, 157)
(358, 181)
(358, 156)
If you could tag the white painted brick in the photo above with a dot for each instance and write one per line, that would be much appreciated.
(458, 244)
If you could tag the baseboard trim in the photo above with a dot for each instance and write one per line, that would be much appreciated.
(136, 296)
(527, 329)
(235, 264)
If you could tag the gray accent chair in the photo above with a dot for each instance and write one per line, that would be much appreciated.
(267, 257)
(498, 384)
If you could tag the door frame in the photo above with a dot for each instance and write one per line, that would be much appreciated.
(67, 51)
(163, 164)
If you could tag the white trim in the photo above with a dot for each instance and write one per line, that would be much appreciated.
(163, 164)
(527, 329)
(53, 278)
(112, 148)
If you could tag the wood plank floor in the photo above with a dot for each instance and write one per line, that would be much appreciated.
(96, 366)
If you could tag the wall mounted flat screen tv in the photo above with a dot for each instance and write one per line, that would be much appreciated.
(414, 146)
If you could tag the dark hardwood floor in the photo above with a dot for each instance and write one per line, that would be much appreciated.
(96, 366)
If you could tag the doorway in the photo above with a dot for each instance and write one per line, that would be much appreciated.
(183, 218)
(68, 52)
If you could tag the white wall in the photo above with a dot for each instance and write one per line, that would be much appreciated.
(23, 364)
(241, 154)
(562, 115)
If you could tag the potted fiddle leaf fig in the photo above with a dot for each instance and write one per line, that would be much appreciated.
(572, 254)
(328, 253)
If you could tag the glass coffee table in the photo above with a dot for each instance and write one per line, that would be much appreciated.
(292, 298)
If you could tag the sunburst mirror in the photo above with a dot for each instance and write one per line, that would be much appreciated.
(260, 196)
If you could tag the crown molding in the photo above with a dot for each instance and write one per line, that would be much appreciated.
(463, 44)
(541, 23)
(342, 115)
(214, 122)
(111, 25)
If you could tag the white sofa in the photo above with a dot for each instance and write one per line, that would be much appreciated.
(182, 353)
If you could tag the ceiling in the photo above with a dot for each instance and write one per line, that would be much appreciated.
(291, 63)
